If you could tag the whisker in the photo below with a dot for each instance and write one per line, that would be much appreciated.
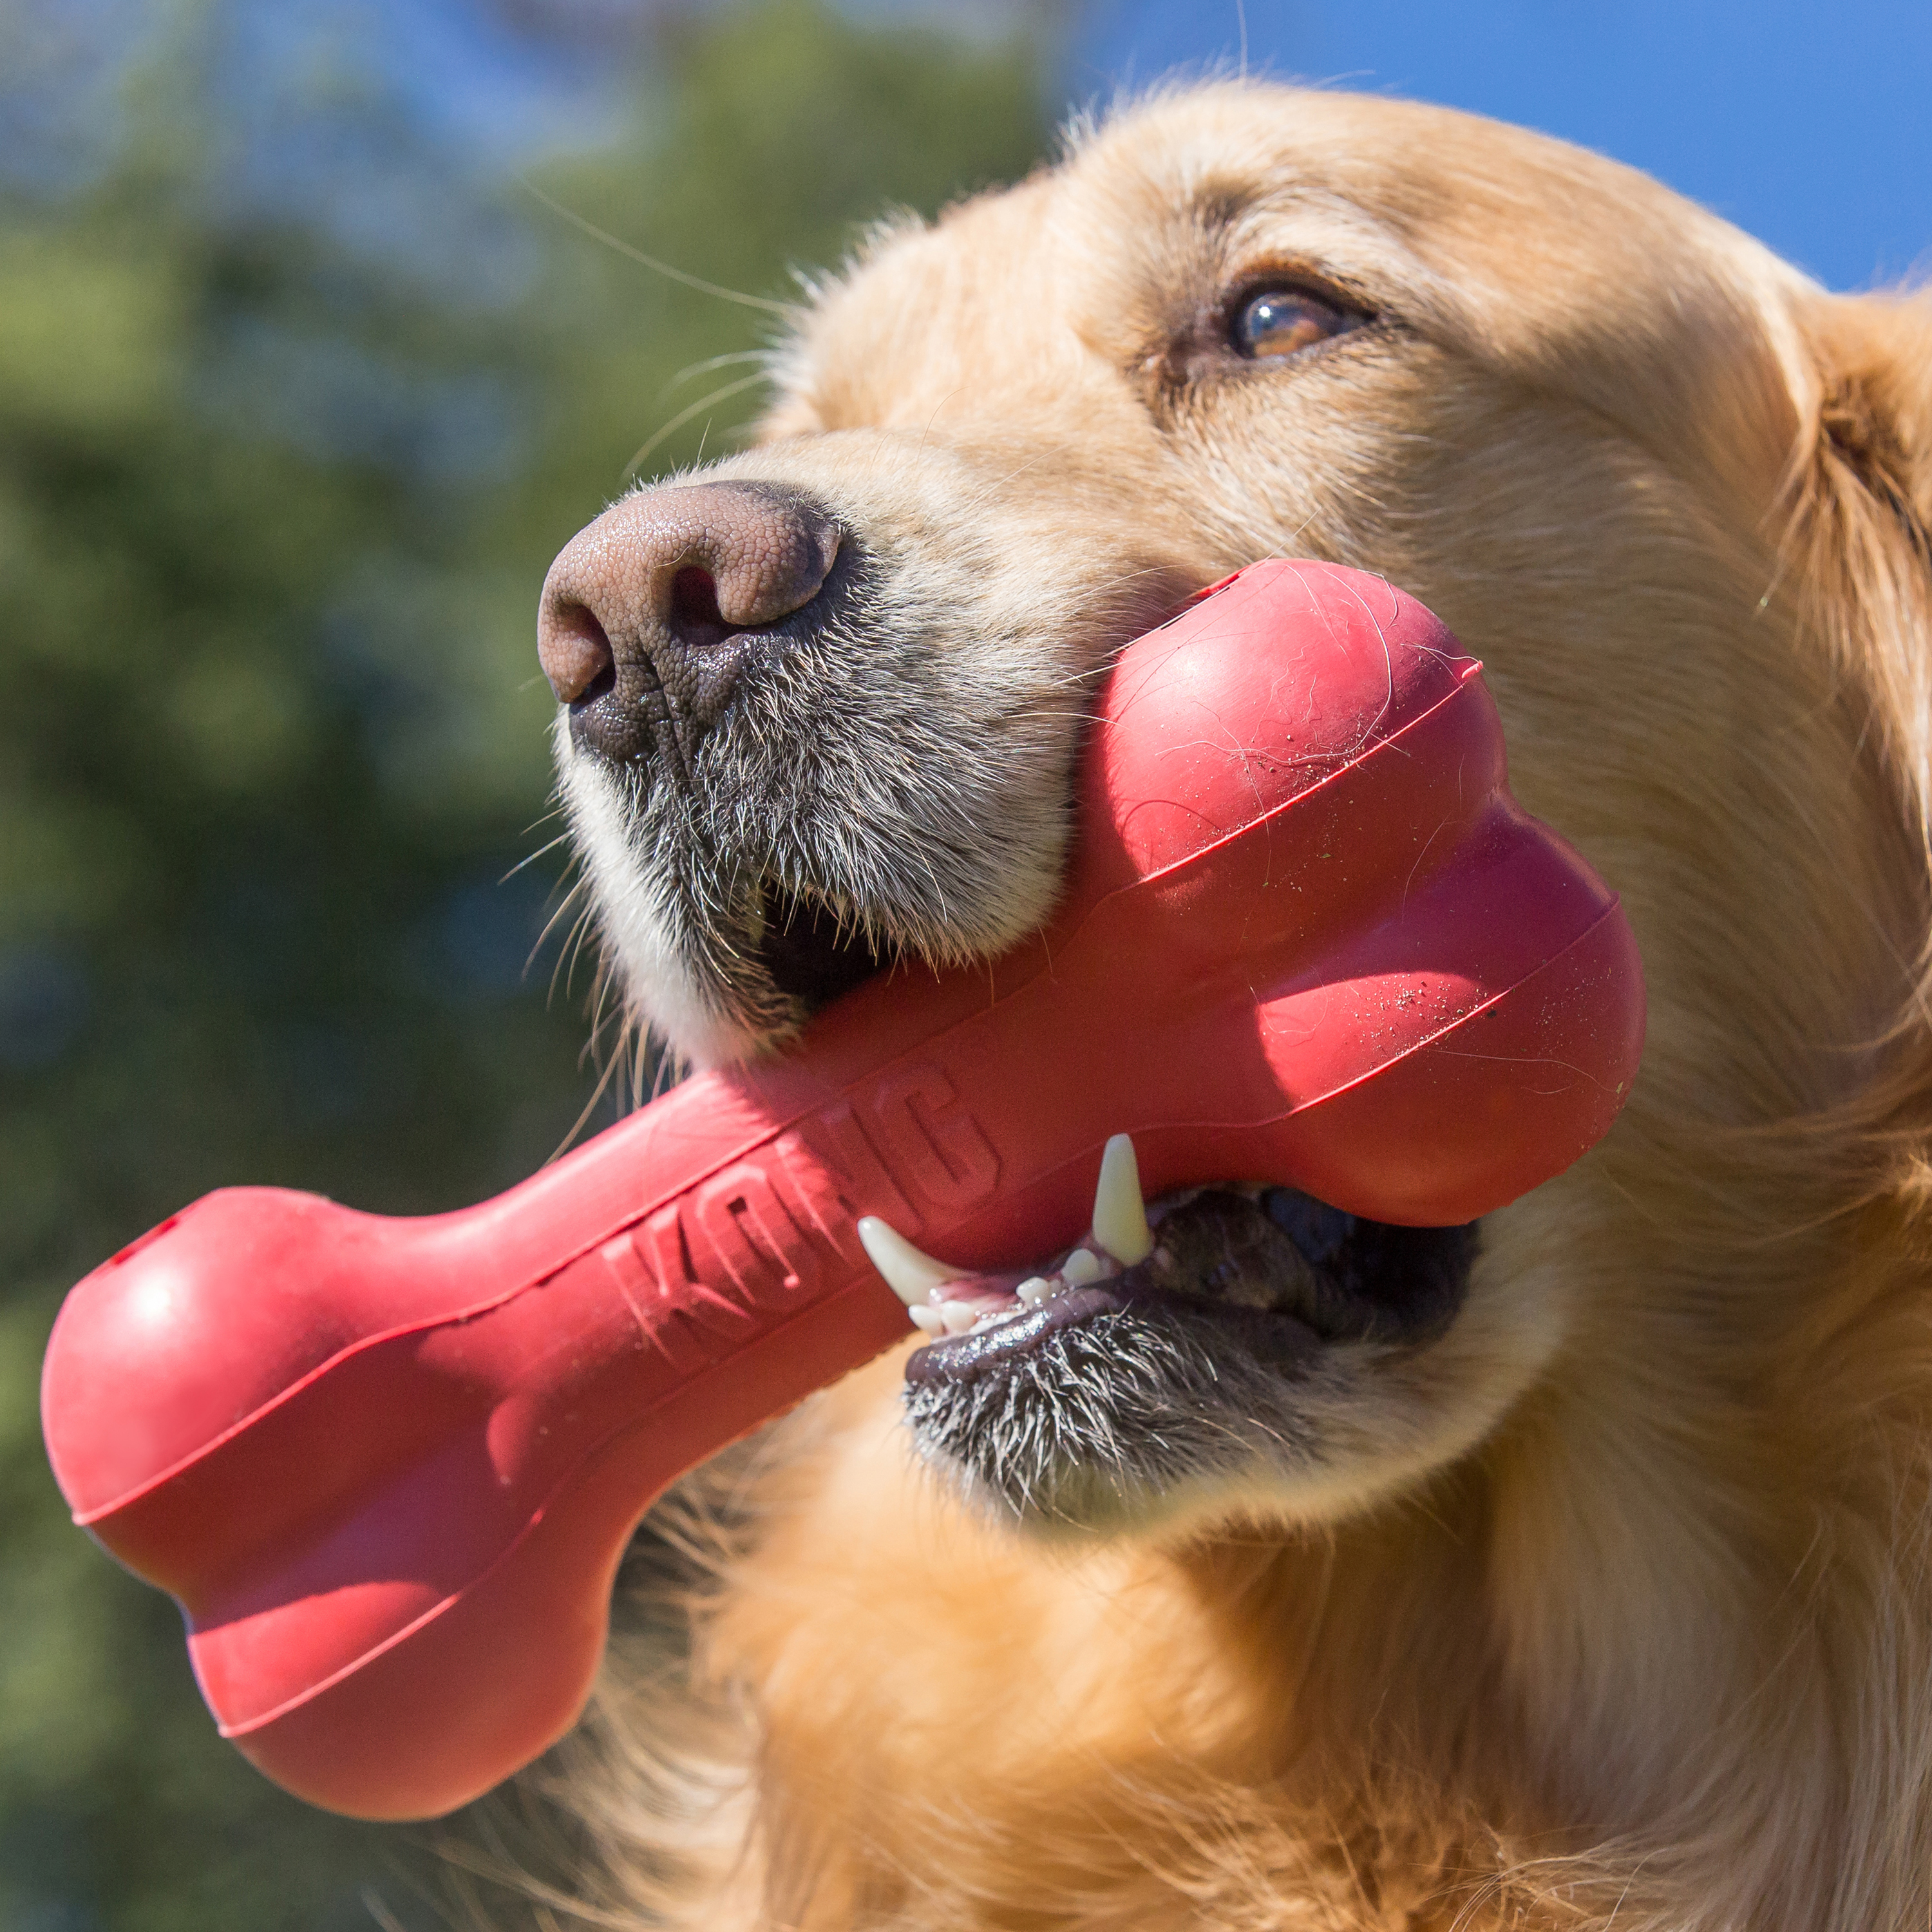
(561, 838)
(575, 893)
(705, 368)
(787, 309)
(566, 959)
(589, 1106)
(684, 416)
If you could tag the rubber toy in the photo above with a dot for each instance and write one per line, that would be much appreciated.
(388, 1466)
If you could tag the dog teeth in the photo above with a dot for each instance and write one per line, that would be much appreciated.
(1119, 1214)
(996, 1317)
(910, 1275)
(1120, 1231)
(1080, 1267)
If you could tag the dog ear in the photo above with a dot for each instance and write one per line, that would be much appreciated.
(1858, 560)
(1859, 496)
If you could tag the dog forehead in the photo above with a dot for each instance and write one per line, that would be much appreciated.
(1432, 179)
(934, 322)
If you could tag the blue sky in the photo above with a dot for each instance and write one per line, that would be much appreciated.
(1809, 126)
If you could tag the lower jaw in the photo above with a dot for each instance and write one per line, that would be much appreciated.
(1110, 1412)
(1099, 1397)
(1008, 1341)
(1252, 1272)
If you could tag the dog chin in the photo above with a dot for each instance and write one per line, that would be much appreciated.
(1262, 1360)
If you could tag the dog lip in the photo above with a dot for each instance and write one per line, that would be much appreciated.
(961, 1357)
(1281, 1337)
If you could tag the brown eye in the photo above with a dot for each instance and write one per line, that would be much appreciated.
(1283, 322)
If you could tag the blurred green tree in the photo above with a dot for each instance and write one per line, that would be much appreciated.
(275, 499)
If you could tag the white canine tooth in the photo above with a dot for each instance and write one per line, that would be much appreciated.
(927, 1319)
(1119, 1215)
(1080, 1267)
(910, 1275)
(1034, 1290)
(959, 1316)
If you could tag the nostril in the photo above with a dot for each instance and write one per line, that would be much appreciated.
(653, 614)
(575, 654)
(695, 618)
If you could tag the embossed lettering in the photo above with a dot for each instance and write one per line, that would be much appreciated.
(746, 1225)
(945, 1151)
(811, 1195)
(841, 1145)
(697, 1273)
(661, 1324)
(684, 1294)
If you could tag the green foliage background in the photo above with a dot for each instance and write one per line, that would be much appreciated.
(276, 497)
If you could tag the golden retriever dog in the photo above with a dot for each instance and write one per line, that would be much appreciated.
(1571, 1569)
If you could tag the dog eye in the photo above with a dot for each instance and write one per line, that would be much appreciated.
(1284, 322)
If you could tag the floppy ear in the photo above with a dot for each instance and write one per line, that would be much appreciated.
(1860, 529)
(1857, 558)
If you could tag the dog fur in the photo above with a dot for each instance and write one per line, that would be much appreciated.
(1613, 1601)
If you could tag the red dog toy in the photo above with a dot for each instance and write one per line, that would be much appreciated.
(388, 1466)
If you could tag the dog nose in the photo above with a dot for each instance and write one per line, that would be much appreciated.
(649, 614)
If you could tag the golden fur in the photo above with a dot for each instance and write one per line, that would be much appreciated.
(1618, 1607)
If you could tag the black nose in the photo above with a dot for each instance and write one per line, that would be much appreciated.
(642, 629)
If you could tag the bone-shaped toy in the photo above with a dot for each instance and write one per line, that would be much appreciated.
(388, 1466)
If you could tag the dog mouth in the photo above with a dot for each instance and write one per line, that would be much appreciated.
(1267, 1265)
(811, 952)
(1273, 1269)
(1222, 1336)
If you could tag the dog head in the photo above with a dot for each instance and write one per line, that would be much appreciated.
(823, 699)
